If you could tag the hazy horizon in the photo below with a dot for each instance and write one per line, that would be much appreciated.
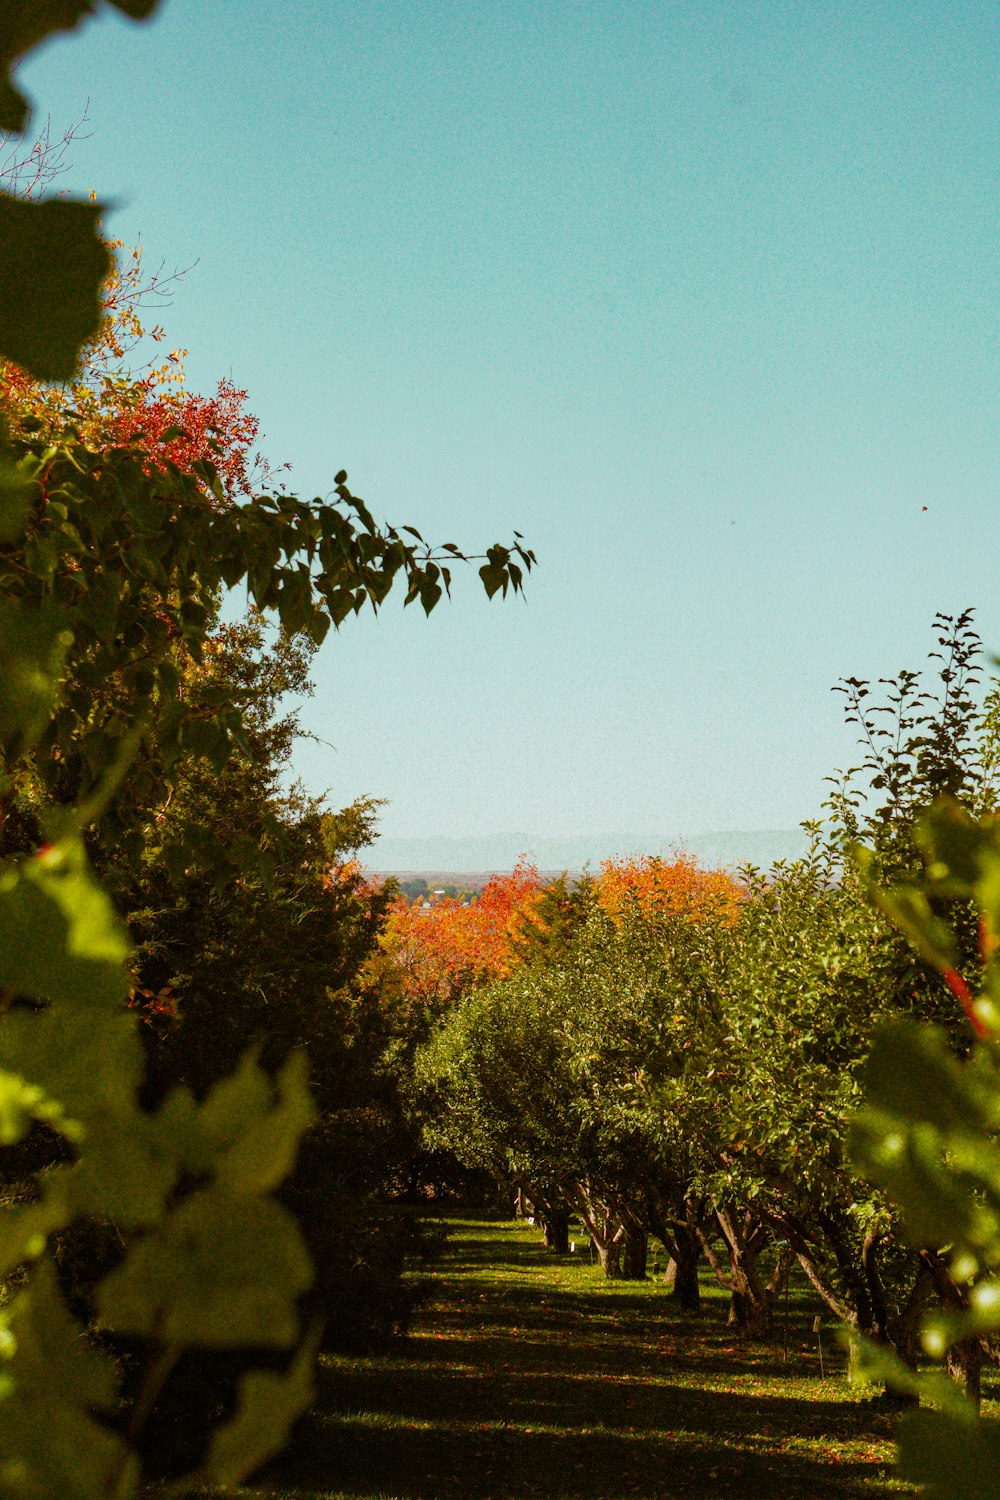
(502, 850)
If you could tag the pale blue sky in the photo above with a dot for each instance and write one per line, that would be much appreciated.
(702, 298)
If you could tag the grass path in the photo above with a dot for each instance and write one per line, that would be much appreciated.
(527, 1376)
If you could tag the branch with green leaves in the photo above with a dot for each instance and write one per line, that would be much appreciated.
(929, 1137)
(111, 567)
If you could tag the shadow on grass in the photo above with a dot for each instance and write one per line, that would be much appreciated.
(712, 1457)
(529, 1387)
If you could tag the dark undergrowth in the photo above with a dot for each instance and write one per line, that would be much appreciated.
(531, 1377)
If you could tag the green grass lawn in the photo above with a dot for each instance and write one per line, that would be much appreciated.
(527, 1375)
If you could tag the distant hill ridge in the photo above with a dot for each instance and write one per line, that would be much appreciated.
(501, 851)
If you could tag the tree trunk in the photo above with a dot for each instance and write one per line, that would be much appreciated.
(965, 1365)
(609, 1255)
(965, 1359)
(752, 1313)
(606, 1233)
(680, 1240)
(873, 1309)
(751, 1307)
(635, 1253)
(555, 1231)
(686, 1291)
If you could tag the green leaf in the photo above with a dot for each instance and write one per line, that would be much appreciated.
(963, 854)
(50, 1443)
(90, 1062)
(49, 1451)
(912, 1073)
(250, 1140)
(21, 1103)
(24, 1230)
(25, 23)
(33, 645)
(103, 604)
(125, 1174)
(60, 937)
(233, 1105)
(951, 1458)
(220, 1270)
(909, 909)
(248, 1130)
(874, 1363)
(53, 263)
(50, 1355)
(909, 1165)
(954, 843)
(16, 495)
(927, 1138)
(268, 1405)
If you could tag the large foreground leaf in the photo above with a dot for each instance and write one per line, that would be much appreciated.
(34, 641)
(60, 937)
(52, 1381)
(25, 23)
(269, 1404)
(951, 1459)
(52, 265)
(220, 1270)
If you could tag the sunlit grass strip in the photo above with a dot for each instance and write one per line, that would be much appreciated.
(533, 1378)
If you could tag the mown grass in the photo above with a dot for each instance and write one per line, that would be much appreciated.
(532, 1376)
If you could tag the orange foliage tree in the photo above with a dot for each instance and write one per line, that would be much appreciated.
(113, 404)
(435, 952)
(432, 952)
(678, 885)
(127, 394)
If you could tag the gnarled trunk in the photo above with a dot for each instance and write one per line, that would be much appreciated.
(965, 1365)
(609, 1255)
(548, 1208)
(752, 1315)
(687, 1288)
(751, 1308)
(681, 1274)
(635, 1251)
(965, 1359)
(606, 1232)
(555, 1230)
(680, 1240)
